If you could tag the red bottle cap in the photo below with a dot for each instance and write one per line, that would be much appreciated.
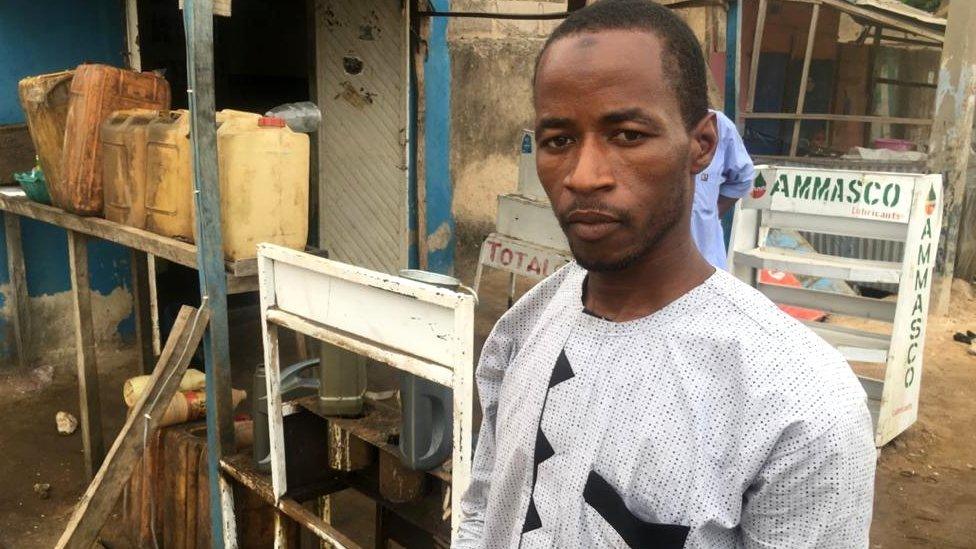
(271, 122)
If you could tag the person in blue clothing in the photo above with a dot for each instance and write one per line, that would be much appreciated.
(727, 179)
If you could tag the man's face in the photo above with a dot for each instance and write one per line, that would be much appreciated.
(613, 152)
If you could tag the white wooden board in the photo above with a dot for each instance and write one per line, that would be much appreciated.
(391, 311)
(530, 221)
(899, 405)
(520, 257)
(839, 193)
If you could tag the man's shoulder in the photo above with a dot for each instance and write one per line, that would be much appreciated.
(775, 346)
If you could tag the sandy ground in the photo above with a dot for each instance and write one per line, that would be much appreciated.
(925, 489)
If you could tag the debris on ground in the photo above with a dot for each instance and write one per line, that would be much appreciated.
(42, 489)
(67, 423)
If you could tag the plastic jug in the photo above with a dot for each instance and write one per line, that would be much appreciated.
(169, 180)
(124, 138)
(169, 188)
(44, 99)
(427, 408)
(263, 169)
(96, 92)
(263, 185)
(342, 381)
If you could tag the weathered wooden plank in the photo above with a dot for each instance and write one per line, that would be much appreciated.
(838, 118)
(463, 415)
(89, 404)
(863, 228)
(100, 497)
(887, 20)
(18, 285)
(241, 469)
(820, 265)
(157, 344)
(855, 345)
(360, 275)
(801, 98)
(167, 248)
(863, 307)
(754, 58)
(437, 373)
(170, 249)
(272, 361)
(142, 308)
(840, 335)
(198, 26)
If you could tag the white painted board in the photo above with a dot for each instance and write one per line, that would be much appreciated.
(899, 405)
(411, 317)
(520, 257)
(530, 221)
(839, 193)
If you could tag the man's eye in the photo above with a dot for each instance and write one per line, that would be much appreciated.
(629, 136)
(558, 142)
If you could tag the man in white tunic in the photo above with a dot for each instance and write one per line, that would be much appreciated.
(639, 397)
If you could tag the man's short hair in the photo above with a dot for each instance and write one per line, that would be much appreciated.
(683, 62)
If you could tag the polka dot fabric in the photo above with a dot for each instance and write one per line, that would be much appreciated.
(716, 422)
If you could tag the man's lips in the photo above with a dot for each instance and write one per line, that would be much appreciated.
(590, 217)
(590, 225)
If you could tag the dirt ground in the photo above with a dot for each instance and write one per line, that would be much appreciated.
(925, 490)
(34, 452)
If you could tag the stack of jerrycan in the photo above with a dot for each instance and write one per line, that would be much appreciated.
(264, 170)
(96, 92)
(44, 99)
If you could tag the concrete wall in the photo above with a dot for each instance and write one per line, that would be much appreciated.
(491, 65)
(36, 38)
(491, 100)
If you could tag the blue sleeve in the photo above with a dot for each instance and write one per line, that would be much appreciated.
(738, 171)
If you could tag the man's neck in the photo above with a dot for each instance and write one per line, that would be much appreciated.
(662, 276)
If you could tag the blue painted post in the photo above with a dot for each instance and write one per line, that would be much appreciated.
(731, 59)
(440, 231)
(732, 20)
(198, 24)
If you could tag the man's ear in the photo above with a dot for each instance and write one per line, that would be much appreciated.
(704, 140)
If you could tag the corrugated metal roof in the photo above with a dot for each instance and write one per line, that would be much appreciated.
(895, 7)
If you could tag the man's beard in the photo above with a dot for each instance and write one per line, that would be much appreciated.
(648, 237)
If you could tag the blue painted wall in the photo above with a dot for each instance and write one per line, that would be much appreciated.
(43, 36)
(39, 36)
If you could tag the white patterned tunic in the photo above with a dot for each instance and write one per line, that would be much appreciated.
(715, 422)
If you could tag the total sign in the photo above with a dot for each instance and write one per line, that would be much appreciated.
(520, 257)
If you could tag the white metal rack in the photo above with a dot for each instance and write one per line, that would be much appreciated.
(889, 206)
(418, 328)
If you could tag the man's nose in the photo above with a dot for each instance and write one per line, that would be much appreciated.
(592, 171)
